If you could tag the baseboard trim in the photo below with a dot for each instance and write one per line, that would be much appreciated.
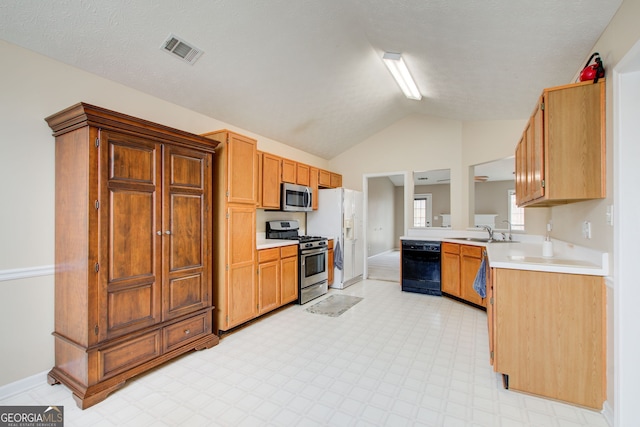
(23, 385)
(607, 412)
(23, 273)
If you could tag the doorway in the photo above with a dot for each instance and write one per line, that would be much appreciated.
(386, 219)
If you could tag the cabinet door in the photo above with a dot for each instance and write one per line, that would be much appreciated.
(470, 259)
(536, 160)
(451, 269)
(336, 180)
(324, 178)
(270, 181)
(130, 273)
(243, 169)
(313, 183)
(268, 286)
(241, 295)
(187, 237)
(550, 334)
(302, 174)
(289, 171)
(289, 277)
(574, 120)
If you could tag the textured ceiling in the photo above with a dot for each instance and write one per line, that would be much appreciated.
(309, 73)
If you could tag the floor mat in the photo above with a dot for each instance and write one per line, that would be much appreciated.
(335, 305)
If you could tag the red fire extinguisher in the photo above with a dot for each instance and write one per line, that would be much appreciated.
(593, 71)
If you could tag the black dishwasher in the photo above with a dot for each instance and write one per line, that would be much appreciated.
(421, 267)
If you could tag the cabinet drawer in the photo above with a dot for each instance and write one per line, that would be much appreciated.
(287, 251)
(183, 332)
(265, 255)
(472, 251)
(124, 356)
(451, 248)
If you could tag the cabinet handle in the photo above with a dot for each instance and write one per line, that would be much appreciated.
(159, 233)
(187, 331)
(167, 232)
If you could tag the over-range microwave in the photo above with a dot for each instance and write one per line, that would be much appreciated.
(296, 198)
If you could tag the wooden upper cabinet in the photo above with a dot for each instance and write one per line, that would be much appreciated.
(241, 166)
(561, 158)
(324, 178)
(313, 183)
(270, 181)
(289, 170)
(336, 180)
(302, 174)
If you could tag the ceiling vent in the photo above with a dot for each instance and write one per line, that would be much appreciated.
(181, 49)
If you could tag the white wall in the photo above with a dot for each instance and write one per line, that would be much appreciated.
(34, 87)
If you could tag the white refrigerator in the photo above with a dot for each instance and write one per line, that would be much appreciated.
(339, 217)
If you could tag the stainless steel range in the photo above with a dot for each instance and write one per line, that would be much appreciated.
(312, 258)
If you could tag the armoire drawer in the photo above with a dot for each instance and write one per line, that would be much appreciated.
(133, 352)
(180, 333)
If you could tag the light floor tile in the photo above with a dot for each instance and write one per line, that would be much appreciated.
(394, 359)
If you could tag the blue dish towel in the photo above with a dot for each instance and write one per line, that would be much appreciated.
(337, 256)
(480, 282)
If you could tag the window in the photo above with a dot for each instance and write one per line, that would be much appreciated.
(422, 210)
(516, 214)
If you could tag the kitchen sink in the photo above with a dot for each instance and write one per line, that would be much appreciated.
(482, 240)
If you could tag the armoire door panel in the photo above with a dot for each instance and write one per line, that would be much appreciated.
(186, 294)
(187, 216)
(187, 171)
(132, 161)
(131, 308)
(131, 250)
(132, 236)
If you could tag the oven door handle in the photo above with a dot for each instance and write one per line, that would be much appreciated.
(312, 251)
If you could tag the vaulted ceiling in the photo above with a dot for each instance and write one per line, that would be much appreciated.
(309, 73)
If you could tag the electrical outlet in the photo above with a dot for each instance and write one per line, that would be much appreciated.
(610, 215)
(586, 230)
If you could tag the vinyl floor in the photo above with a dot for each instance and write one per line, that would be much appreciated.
(393, 359)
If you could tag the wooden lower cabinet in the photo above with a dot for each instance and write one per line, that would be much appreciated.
(450, 274)
(277, 277)
(549, 334)
(133, 219)
(268, 279)
(459, 266)
(289, 276)
(470, 260)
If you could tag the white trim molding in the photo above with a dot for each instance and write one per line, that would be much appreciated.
(24, 273)
(22, 385)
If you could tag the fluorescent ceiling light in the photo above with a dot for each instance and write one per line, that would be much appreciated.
(400, 72)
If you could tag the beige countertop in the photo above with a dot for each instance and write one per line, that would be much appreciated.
(525, 252)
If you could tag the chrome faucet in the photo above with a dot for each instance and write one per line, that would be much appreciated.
(509, 223)
(489, 230)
